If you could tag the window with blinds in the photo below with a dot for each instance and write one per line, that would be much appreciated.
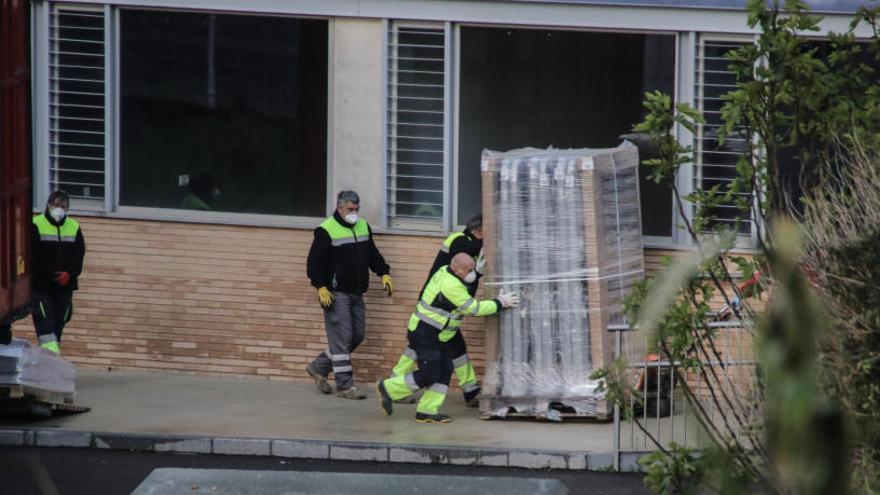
(77, 126)
(416, 127)
(715, 163)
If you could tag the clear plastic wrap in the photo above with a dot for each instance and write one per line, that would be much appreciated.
(563, 229)
(34, 367)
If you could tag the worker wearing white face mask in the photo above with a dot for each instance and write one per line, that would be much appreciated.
(444, 303)
(342, 252)
(58, 249)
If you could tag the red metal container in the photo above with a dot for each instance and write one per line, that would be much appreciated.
(15, 163)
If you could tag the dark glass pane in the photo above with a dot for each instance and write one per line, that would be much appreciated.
(223, 112)
(524, 87)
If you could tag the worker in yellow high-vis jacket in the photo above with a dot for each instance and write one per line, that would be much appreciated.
(444, 303)
(57, 251)
(470, 242)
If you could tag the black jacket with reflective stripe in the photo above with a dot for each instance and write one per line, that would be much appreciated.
(344, 267)
(52, 255)
(466, 243)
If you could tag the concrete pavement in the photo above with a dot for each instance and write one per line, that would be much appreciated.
(181, 413)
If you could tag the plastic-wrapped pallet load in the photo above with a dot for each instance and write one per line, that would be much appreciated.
(563, 229)
(36, 368)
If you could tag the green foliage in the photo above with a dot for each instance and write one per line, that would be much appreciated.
(806, 436)
(678, 471)
(843, 259)
(798, 106)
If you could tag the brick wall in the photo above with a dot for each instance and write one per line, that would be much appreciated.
(229, 300)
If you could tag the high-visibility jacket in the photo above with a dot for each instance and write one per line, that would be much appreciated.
(341, 255)
(457, 242)
(445, 302)
(56, 247)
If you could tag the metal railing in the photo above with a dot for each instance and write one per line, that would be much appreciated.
(721, 389)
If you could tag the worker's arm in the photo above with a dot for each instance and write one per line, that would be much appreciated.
(317, 263)
(377, 262)
(39, 267)
(466, 305)
(79, 253)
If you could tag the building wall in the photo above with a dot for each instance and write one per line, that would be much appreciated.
(229, 300)
(356, 111)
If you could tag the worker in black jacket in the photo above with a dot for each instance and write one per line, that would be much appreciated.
(341, 254)
(58, 249)
(470, 242)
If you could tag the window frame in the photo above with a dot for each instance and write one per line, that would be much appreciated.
(449, 138)
(41, 63)
(671, 241)
(111, 207)
(747, 242)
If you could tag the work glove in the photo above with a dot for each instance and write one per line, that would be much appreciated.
(481, 263)
(388, 284)
(508, 300)
(325, 298)
(62, 278)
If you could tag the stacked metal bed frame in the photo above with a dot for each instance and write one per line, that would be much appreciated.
(563, 229)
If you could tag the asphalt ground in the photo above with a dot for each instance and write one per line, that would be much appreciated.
(69, 471)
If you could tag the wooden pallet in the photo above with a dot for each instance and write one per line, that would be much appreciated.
(22, 400)
(545, 408)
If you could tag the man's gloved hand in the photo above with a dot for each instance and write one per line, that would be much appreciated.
(481, 263)
(388, 284)
(325, 298)
(508, 300)
(62, 278)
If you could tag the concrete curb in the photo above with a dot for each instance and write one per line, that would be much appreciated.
(307, 449)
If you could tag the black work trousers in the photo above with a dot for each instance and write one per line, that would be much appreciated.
(51, 310)
(434, 357)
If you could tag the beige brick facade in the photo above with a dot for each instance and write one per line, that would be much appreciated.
(229, 300)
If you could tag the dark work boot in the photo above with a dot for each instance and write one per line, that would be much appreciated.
(385, 402)
(472, 398)
(351, 393)
(320, 380)
(432, 418)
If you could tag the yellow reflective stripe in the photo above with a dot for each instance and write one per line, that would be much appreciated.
(434, 309)
(337, 232)
(397, 387)
(427, 319)
(406, 363)
(464, 307)
(348, 240)
(460, 361)
(410, 381)
(42, 309)
(68, 229)
(432, 399)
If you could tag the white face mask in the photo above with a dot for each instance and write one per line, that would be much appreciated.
(470, 277)
(57, 214)
(351, 218)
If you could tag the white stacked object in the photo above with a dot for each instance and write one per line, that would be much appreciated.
(36, 368)
(563, 229)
